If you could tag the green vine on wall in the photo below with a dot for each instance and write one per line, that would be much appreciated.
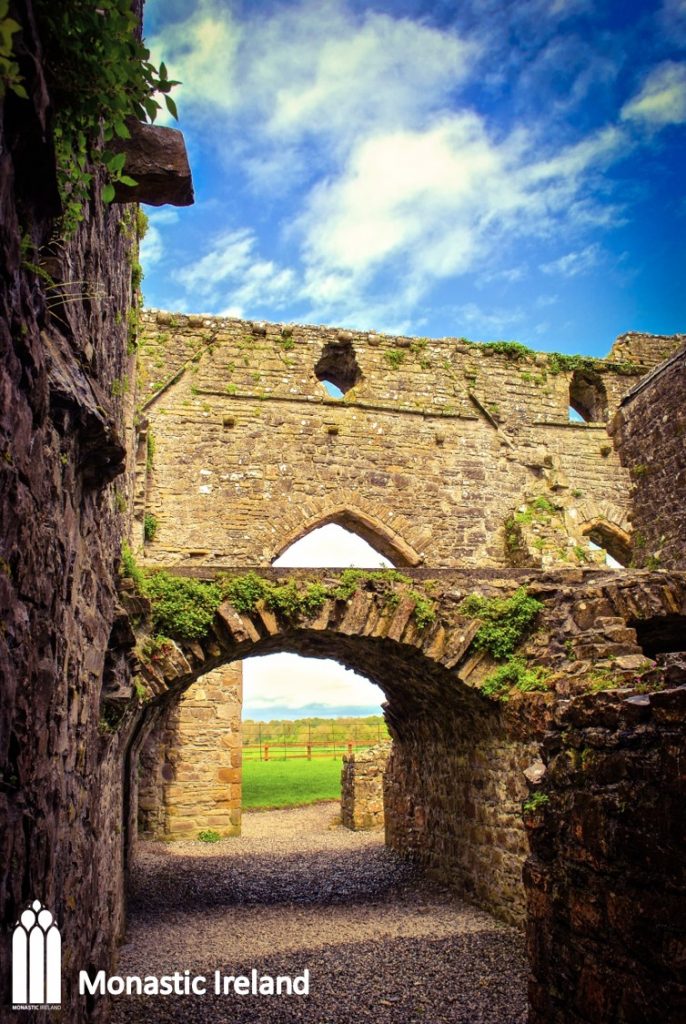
(505, 622)
(99, 74)
(10, 76)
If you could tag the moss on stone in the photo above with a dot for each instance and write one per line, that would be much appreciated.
(515, 674)
(504, 621)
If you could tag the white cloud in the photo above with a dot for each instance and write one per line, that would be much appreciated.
(287, 680)
(232, 271)
(574, 263)
(331, 546)
(200, 52)
(662, 100)
(152, 247)
(311, 69)
(436, 203)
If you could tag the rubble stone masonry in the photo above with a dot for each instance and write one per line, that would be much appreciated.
(247, 452)
(362, 787)
(649, 430)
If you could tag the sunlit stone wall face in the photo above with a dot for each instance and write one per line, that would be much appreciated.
(191, 764)
(434, 445)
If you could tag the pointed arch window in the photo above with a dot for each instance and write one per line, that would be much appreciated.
(387, 547)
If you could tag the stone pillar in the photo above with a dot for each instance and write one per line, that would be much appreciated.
(198, 758)
(362, 788)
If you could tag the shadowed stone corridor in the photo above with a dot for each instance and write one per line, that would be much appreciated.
(298, 891)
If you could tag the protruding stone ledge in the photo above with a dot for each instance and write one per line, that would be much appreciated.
(156, 159)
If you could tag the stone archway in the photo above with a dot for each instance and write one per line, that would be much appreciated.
(456, 781)
(380, 534)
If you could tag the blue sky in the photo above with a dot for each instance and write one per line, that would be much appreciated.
(487, 169)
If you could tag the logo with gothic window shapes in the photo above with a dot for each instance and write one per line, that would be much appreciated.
(36, 959)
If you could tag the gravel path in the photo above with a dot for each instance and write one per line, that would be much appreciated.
(298, 891)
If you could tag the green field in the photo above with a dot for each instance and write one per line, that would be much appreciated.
(290, 783)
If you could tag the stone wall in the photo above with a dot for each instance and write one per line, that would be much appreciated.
(650, 434)
(61, 500)
(456, 779)
(606, 881)
(241, 421)
(362, 787)
(453, 796)
(191, 762)
(69, 712)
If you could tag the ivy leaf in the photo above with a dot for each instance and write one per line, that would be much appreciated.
(126, 180)
(151, 107)
(171, 107)
(121, 130)
(115, 164)
(108, 193)
(19, 90)
(163, 70)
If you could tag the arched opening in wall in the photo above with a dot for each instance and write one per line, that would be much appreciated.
(337, 368)
(300, 717)
(359, 539)
(613, 541)
(332, 546)
(297, 707)
(587, 398)
(295, 874)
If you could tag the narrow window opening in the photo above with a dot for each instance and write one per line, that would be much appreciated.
(331, 389)
(616, 546)
(587, 398)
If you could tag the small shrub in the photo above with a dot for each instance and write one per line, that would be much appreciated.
(182, 608)
(243, 591)
(395, 357)
(514, 674)
(150, 525)
(129, 568)
(536, 801)
(209, 835)
(511, 349)
(505, 621)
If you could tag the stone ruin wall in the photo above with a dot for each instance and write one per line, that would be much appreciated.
(650, 433)
(462, 765)
(605, 882)
(454, 788)
(61, 498)
(248, 452)
(362, 788)
(190, 767)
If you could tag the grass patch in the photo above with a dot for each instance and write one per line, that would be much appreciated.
(291, 783)
(515, 674)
